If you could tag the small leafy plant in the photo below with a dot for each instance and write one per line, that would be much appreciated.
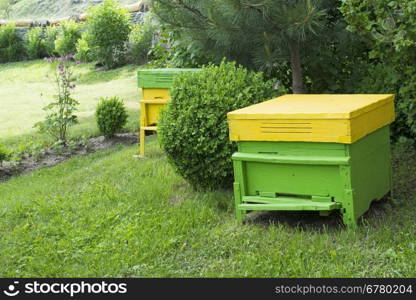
(11, 45)
(4, 153)
(35, 44)
(140, 41)
(111, 116)
(51, 34)
(83, 49)
(61, 111)
(69, 34)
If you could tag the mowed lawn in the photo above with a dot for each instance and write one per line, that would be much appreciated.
(26, 87)
(109, 214)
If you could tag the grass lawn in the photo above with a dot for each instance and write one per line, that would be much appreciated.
(108, 214)
(49, 9)
(26, 87)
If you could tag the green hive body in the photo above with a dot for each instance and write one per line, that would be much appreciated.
(294, 176)
(159, 78)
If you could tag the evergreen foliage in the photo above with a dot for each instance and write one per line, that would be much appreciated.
(258, 32)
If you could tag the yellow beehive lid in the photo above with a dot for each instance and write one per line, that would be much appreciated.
(312, 118)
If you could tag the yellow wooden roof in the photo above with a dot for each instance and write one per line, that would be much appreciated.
(313, 107)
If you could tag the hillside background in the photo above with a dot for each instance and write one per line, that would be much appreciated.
(46, 9)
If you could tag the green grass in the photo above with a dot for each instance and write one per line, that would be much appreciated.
(47, 9)
(108, 214)
(26, 87)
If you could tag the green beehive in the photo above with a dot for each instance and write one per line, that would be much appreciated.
(313, 153)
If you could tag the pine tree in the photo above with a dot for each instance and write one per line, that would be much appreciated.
(265, 32)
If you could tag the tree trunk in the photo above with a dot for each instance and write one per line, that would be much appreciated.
(297, 77)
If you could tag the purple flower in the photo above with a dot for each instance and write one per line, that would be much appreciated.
(49, 59)
(72, 86)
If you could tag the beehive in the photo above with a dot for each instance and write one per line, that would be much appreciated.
(313, 152)
(155, 85)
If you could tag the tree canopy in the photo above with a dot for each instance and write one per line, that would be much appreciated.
(261, 32)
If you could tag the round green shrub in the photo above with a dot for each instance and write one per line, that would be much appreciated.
(111, 116)
(193, 128)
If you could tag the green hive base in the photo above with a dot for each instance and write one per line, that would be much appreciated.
(294, 176)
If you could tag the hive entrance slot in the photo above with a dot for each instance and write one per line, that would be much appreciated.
(280, 195)
(294, 196)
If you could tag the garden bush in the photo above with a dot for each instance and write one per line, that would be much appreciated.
(108, 28)
(111, 116)
(51, 34)
(389, 79)
(390, 32)
(68, 36)
(140, 41)
(35, 44)
(83, 49)
(4, 153)
(11, 45)
(193, 128)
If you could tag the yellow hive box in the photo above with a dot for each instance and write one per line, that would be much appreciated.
(152, 102)
(312, 118)
(155, 85)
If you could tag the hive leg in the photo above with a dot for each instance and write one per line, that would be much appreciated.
(349, 219)
(240, 214)
(350, 215)
(142, 141)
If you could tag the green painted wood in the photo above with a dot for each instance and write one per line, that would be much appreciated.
(286, 159)
(293, 148)
(313, 176)
(287, 205)
(159, 78)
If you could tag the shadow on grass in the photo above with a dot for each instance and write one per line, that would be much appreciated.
(305, 220)
(96, 76)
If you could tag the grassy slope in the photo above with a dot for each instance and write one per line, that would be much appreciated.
(25, 89)
(47, 9)
(111, 215)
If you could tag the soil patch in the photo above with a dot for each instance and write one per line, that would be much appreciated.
(50, 157)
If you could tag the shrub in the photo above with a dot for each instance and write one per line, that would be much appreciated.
(51, 35)
(61, 111)
(193, 128)
(69, 33)
(4, 153)
(390, 79)
(11, 45)
(108, 27)
(111, 116)
(35, 44)
(83, 49)
(140, 41)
